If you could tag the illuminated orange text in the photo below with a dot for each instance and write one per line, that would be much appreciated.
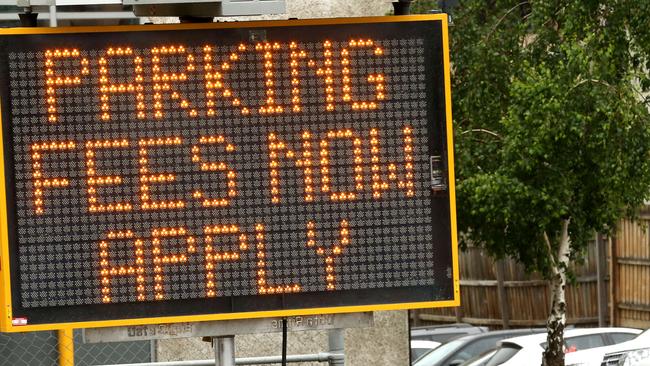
(262, 284)
(377, 79)
(107, 271)
(335, 70)
(213, 255)
(95, 180)
(329, 253)
(305, 162)
(325, 151)
(378, 183)
(53, 81)
(106, 87)
(162, 80)
(212, 167)
(41, 183)
(269, 106)
(147, 178)
(159, 260)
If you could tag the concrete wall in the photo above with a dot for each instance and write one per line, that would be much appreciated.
(386, 344)
(336, 8)
(305, 9)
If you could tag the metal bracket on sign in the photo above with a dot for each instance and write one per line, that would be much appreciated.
(438, 181)
(257, 35)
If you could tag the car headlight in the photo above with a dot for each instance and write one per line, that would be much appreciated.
(636, 358)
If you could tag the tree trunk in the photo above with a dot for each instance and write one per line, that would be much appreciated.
(554, 353)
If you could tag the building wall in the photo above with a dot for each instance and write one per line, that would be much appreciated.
(385, 344)
(336, 8)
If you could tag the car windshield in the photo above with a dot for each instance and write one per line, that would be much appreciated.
(439, 353)
(418, 352)
(481, 359)
(505, 352)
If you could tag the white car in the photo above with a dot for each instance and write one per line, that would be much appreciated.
(481, 359)
(633, 353)
(594, 356)
(419, 347)
(528, 350)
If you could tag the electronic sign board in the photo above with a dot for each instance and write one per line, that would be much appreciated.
(220, 171)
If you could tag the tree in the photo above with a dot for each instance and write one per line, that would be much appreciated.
(552, 130)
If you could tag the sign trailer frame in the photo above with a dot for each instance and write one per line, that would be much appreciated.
(8, 323)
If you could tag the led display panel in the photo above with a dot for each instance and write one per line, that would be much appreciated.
(220, 171)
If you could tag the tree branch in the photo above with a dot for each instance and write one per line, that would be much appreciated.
(609, 86)
(549, 248)
(561, 258)
(487, 38)
(595, 81)
(565, 243)
(481, 130)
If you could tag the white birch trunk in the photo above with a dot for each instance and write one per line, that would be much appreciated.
(554, 353)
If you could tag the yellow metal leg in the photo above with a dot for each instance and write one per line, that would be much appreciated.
(66, 347)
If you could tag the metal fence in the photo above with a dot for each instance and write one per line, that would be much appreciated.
(43, 349)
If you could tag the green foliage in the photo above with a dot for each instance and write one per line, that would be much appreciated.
(423, 6)
(551, 121)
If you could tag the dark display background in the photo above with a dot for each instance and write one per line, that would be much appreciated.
(400, 247)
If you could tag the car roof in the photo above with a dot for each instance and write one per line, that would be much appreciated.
(537, 339)
(640, 341)
(418, 343)
(507, 333)
(441, 326)
(448, 327)
(445, 333)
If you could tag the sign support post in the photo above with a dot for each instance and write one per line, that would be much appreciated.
(66, 347)
(336, 344)
(224, 350)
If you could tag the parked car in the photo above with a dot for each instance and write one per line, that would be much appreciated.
(444, 333)
(632, 353)
(459, 350)
(419, 347)
(528, 350)
(481, 359)
(594, 356)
